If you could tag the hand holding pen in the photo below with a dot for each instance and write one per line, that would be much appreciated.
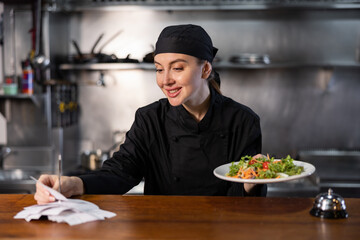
(70, 186)
(67, 186)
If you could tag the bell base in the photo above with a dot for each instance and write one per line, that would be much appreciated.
(329, 214)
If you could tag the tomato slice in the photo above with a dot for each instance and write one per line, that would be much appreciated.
(265, 165)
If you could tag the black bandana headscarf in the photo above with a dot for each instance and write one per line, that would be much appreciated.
(186, 39)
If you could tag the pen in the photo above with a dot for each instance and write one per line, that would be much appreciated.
(60, 173)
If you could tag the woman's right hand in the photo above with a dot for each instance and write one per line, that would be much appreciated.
(70, 186)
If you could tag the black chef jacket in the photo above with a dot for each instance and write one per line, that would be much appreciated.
(176, 155)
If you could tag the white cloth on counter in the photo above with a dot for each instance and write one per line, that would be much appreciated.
(70, 211)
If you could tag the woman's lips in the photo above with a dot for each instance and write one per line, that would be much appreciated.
(173, 92)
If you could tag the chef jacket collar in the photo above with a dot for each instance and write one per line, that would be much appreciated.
(187, 121)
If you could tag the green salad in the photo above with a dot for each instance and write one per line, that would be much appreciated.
(264, 168)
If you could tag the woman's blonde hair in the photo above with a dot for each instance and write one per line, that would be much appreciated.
(213, 79)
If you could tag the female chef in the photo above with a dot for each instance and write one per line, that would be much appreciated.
(175, 143)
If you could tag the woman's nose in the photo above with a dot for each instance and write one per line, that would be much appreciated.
(167, 79)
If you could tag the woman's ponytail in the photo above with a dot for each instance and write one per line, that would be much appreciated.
(214, 80)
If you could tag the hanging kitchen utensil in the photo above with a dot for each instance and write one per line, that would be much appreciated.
(108, 58)
(36, 28)
(110, 39)
(85, 58)
(96, 43)
(93, 57)
(40, 63)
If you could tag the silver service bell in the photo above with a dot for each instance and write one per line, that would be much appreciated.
(329, 205)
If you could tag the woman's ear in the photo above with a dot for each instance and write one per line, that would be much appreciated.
(206, 70)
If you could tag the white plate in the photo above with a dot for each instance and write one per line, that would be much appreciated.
(221, 171)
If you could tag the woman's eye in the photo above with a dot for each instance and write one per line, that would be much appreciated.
(178, 68)
(159, 70)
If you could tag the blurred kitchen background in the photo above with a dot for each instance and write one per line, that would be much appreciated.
(295, 63)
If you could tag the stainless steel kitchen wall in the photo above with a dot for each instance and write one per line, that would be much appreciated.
(307, 98)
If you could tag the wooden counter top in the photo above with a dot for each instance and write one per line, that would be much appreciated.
(181, 217)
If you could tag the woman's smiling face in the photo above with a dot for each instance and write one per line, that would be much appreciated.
(182, 78)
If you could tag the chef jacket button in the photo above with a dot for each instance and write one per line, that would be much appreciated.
(176, 179)
(222, 135)
(175, 139)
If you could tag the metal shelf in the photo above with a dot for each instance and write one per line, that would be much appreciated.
(108, 66)
(36, 98)
(220, 65)
(17, 96)
(287, 64)
(196, 5)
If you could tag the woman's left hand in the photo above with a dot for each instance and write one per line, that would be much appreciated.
(249, 186)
